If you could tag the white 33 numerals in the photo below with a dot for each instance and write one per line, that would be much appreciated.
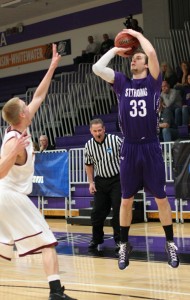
(138, 108)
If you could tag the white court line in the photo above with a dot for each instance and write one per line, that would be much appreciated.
(143, 228)
(102, 285)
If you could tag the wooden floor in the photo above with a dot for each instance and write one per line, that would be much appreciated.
(98, 278)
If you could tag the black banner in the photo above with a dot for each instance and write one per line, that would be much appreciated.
(181, 170)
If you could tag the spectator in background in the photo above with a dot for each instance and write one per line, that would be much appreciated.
(168, 74)
(88, 54)
(172, 99)
(135, 25)
(107, 44)
(102, 154)
(182, 72)
(131, 23)
(44, 143)
(168, 128)
(184, 111)
(36, 146)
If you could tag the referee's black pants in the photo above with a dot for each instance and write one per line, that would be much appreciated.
(108, 196)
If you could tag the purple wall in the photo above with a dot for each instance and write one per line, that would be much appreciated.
(100, 14)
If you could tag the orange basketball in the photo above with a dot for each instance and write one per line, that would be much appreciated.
(125, 40)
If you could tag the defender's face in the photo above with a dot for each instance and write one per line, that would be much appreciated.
(138, 63)
(25, 114)
(98, 132)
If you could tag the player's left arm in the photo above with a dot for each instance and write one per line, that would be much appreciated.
(153, 64)
(43, 87)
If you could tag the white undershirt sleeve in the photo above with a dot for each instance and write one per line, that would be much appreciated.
(100, 67)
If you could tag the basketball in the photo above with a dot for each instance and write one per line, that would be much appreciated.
(125, 40)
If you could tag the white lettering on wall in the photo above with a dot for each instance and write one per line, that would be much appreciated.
(3, 41)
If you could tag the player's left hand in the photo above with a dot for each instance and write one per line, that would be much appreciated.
(132, 32)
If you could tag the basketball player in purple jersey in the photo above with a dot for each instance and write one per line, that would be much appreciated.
(141, 157)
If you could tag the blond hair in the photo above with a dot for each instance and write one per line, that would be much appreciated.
(11, 111)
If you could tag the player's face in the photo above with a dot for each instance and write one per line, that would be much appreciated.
(138, 63)
(25, 114)
(98, 132)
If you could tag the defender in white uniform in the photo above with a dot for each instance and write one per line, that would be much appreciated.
(21, 223)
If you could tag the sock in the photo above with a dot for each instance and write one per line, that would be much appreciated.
(169, 232)
(54, 284)
(124, 233)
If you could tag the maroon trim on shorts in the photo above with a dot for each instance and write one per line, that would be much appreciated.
(5, 257)
(11, 245)
(34, 250)
(28, 236)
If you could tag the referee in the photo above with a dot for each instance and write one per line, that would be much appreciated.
(102, 165)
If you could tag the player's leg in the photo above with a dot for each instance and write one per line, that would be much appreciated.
(115, 196)
(125, 223)
(166, 221)
(130, 175)
(51, 268)
(154, 178)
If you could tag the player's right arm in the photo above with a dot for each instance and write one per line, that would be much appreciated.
(11, 150)
(100, 67)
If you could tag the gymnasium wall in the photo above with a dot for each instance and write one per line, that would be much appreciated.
(155, 18)
(75, 25)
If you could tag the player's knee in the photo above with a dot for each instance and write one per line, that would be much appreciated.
(162, 202)
(127, 203)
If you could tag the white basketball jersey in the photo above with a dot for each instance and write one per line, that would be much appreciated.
(19, 178)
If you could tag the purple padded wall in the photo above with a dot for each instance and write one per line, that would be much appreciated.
(74, 141)
(112, 117)
(84, 129)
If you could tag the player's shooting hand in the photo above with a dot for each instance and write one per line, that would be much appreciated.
(123, 52)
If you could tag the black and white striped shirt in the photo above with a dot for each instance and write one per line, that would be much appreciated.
(104, 156)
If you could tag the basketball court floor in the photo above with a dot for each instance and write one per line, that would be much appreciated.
(95, 275)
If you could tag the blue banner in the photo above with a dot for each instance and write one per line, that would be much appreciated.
(51, 176)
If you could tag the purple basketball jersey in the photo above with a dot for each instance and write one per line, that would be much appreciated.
(141, 155)
(138, 106)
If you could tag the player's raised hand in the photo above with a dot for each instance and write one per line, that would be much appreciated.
(123, 51)
(55, 56)
(132, 32)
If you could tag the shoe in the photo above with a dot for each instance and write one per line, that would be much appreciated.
(124, 252)
(117, 247)
(93, 245)
(60, 295)
(173, 259)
